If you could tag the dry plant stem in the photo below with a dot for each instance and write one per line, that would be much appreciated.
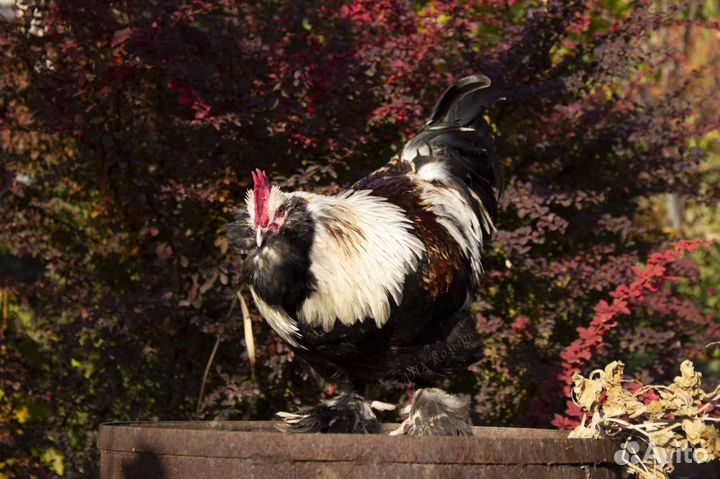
(210, 360)
(248, 331)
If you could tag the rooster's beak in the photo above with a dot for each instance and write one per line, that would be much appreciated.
(260, 236)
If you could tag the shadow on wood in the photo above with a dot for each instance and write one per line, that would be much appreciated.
(145, 464)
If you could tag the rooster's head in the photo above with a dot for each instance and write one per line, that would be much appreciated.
(274, 235)
(267, 206)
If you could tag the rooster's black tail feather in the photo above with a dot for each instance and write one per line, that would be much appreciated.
(458, 135)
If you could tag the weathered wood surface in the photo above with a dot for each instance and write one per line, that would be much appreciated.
(185, 450)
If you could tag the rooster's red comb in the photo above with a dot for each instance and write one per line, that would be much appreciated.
(262, 194)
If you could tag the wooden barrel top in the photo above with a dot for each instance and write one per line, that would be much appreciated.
(239, 449)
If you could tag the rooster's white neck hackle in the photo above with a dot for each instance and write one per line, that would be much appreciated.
(364, 247)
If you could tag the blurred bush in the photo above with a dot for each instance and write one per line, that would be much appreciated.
(128, 130)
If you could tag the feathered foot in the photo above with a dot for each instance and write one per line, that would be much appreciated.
(436, 413)
(348, 413)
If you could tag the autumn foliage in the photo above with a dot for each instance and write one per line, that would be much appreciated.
(129, 130)
(646, 287)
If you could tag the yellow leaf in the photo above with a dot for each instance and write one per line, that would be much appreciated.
(55, 460)
(22, 414)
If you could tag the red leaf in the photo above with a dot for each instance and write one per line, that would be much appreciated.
(121, 36)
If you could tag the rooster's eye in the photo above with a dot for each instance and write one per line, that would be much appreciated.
(280, 211)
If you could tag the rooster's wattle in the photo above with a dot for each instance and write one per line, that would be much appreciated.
(375, 282)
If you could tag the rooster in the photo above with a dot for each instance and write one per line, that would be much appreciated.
(375, 282)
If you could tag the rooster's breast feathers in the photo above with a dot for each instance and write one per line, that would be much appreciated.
(364, 248)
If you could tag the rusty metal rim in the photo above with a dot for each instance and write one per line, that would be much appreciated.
(270, 426)
(253, 440)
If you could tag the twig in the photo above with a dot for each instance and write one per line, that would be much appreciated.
(210, 360)
(205, 375)
(5, 310)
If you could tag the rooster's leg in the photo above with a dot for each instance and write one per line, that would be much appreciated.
(436, 413)
(346, 413)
